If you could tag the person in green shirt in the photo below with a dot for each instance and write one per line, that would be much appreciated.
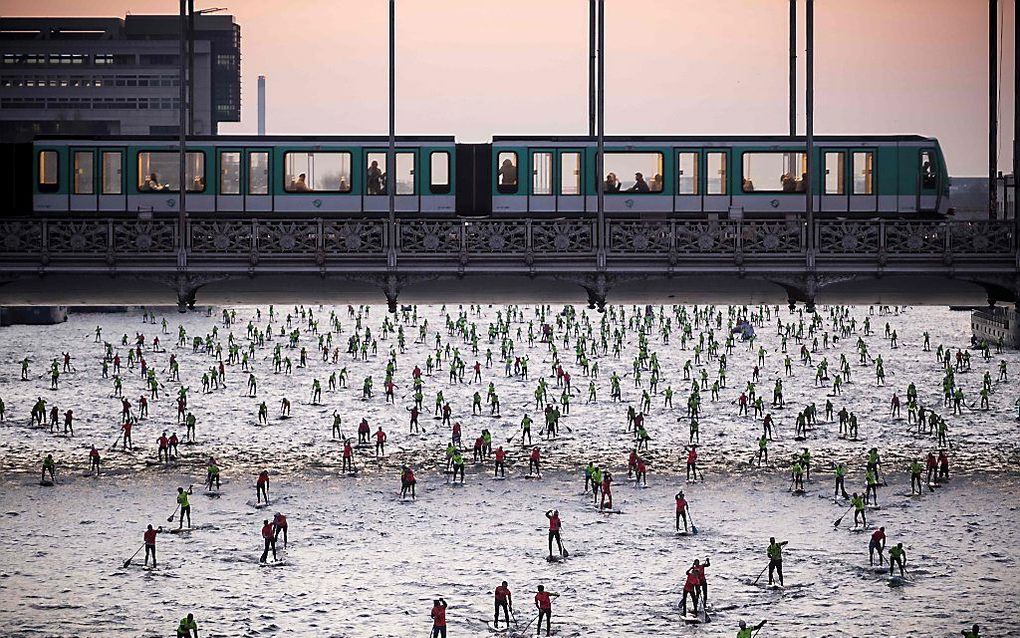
(840, 477)
(187, 627)
(212, 475)
(185, 506)
(859, 514)
(458, 466)
(775, 554)
(915, 475)
(47, 466)
(970, 633)
(897, 556)
(747, 632)
(798, 476)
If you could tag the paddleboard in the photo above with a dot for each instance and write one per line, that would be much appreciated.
(498, 478)
(552, 558)
(182, 530)
(46, 483)
(683, 533)
(691, 620)
(799, 492)
(532, 476)
(493, 628)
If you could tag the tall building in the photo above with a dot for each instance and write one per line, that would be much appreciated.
(108, 76)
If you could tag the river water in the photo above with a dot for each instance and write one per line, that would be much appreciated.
(363, 563)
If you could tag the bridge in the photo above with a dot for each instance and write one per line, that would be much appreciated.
(88, 259)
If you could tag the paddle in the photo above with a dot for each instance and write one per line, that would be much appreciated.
(170, 519)
(759, 575)
(128, 561)
(840, 519)
(694, 528)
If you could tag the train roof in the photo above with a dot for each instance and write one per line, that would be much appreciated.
(716, 138)
(381, 139)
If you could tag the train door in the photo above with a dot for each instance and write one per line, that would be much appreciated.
(112, 176)
(863, 189)
(229, 197)
(835, 193)
(406, 199)
(717, 181)
(570, 198)
(258, 192)
(83, 179)
(541, 193)
(688, 197)
(927, 180)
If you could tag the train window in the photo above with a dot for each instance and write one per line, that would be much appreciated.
(570, 173)
(715, 179)
(317, 172)
(112, 172)
(405, 174)
(633, 172)
(687, 174)
(376, 177)
(159, 171)
(84, 174)
(835, 173)
(230, 173)
(541, 173)
(258, 173)
(864, 165)
(48, 172)
(507, 172)
(774, 172)
(439, 171)
(929, 179)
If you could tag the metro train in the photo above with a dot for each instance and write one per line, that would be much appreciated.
(513, 176)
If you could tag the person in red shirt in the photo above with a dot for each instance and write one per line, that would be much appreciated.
(438, 615)
(164, 447)
(543, 601)
(262, 487)
(94, 460)
(641, 475)
(173, 441)
(478, 455)
(877, 544)
(127, 435)
(631, 463)
(500, 462)
(149, 537)
(681, 510)
(447, 412)
(456, 434)
(554, 530)
(269, 537)
(407, 481)
(280, 525)
(692, 460)
(700, 568)
(413, 427)
(535, 463)
(348, 465)
(380, 442)
(69, 422)
(932, 465)
(943, 466)
(607, 492)
(503, 601)
(363, 431)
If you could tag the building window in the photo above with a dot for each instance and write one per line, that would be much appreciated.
(570, 173)
(84, 175)
(439, 173)
(929, 178)
(773, 172)
(633, 172)
(715, 180)
(835, 173)
(159, 171)
(864, 165)
(48, 172)
(541, 173)
(317, 172)
(258, 173)
(230, 173)
(112, 162)
(507, 173)
(687, 173)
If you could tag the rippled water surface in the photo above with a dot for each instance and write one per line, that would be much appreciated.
(363, 563)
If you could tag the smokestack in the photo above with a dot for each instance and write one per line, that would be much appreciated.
(262, 105)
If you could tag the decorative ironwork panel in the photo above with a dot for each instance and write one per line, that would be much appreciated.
(853, 238)
(771, 237)
(922, 237)
(82, 238)
(21, 237)
(282, 238)
(144, 237)
(353, 237)
(982, 237)
(430, 237)
(562, 236)
(497, 236)
(231, 236)
(704, 237)
(637, 237)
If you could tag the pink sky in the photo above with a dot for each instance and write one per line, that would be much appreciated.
(475, 68)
